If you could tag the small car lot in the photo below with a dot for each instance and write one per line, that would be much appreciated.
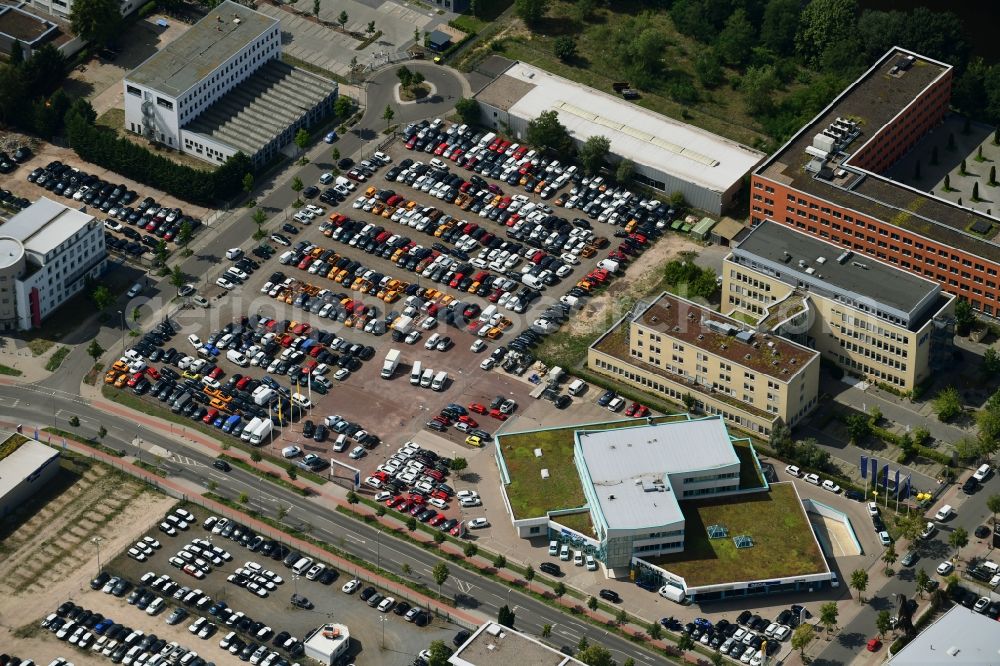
(224, 586)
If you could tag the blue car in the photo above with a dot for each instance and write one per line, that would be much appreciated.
(331, 137)
(219, 420)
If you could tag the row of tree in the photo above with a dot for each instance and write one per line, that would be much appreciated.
(31, 96)
(103, 147)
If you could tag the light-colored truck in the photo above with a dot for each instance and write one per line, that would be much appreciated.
(253, 425)
(404, 324)
(262, 395)
(261, 432)
(391, 361)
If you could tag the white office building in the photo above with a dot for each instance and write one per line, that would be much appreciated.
(633, 479)
(62, 8)
(47, 252)
(221, 88)
(668, 155)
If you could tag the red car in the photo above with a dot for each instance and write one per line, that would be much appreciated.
(458, 530)
(469, 420)
(440, 494)
(417, 498)
(403, 506)
(134, 379)
(216, 373)
(210, 416)
(153, 372)
(242, 384)
(631, 409)
(498, 415)
(642, 412)
(874, 644)
(393, 502)
(438, 519)
(417, 508)
(477, 408)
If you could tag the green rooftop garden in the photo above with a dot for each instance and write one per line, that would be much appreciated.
(11, 444)
(531, 496)
(783, 540)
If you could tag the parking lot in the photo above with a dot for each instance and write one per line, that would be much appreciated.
(402, 639)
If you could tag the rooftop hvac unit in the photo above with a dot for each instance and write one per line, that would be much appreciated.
(744, 336)
(802, 263)
(810, 270)
(860, 265)
(823, 142)
(818, 153)
(820, 260)
(721, 327)
(494, 629)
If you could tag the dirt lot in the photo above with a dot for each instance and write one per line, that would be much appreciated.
(49, 557)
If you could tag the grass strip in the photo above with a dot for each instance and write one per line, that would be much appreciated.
(89, 441)
(368, 41)
(7, 370)
(57, 358)
(39, 346)
(268, 475)
(152, 469)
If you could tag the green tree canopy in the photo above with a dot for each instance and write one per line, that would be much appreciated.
(531, 11)
(593, 152)
(736, 39)
(825, 24)
(546, 133)
(595, 655)
(780, 21)
(439, 653)
(564, 47)
(96, 21)
(468, 110)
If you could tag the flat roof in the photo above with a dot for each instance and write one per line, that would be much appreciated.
(328, 645)
(858, 274)
(874, 100)
(688, 322)
(23, 462)
(645, 137)
(495, 645)
(22, 25)
(627, 469)
(198, 52)
(45, 225)
(960, 636)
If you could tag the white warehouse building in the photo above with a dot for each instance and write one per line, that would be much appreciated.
(669, 156)
(47, 253)
(221, 88)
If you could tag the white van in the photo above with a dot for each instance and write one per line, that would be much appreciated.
(578, 558)
(301, 400)
(553, 547)
(341, 444)
(239, 358)
(616, 404)
(944, 512)
(418, 370)
(488, 139)
(349, 184)
(302, 565)
(577, 387)
(564, 553)
(427, 378)
(440, 379)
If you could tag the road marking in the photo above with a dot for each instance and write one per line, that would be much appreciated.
(567, 634)
(218, 476)
(354, 538)
(464, 586)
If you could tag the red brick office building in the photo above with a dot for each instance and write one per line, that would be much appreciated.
(829, 181)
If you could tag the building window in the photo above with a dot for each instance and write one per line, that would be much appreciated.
(132, 90)
(165, 103)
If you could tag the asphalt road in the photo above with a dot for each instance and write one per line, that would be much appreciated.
(33, 404)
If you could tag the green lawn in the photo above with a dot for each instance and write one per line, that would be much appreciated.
(784, 544)
(577, 521)
(529, 495)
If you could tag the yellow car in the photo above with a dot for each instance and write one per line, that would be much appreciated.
(110, 377)
(120, 382)
(473, 440)
(187, 374)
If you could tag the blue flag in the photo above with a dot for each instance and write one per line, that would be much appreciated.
(864, 467)
(874, 470)
(897, 481)
(885, 476)
(909, 486)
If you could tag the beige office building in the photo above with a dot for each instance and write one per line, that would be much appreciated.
(875, 321)
(673, 348)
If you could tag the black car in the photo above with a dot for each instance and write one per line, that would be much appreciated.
(461, 637)
(550, 568)
(99, 581)
(222, 465)
(310, 192)
(610, 595)
(970, 486)
(367, 593)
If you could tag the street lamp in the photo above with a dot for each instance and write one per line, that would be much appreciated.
(121, 315)
(382, 620)
(97, 542)
(295, 579)
(378, 549)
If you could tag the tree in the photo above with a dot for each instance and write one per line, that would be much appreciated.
(883, 623)
(708, 69)
(529, 573)
(921, 580)
(546, 133)
(439, 538)
(685, 643)
(736, 39)
(439, 653)
(244, 498)
(909, 526)
(302, 138)
(177, 277)
(778, 26)
(342, 107)
(405, 76)
(859, 582)
(458, 464)
(965, 317)
(388, 115)
(292, 471)
(958, 539)
(342, 19)
(858, 427)
(499, 561)
(993, 504)
(655, 630)
(95, 350)
(531, 11)
(352, 497)
(505, 616)
(825, 24)
(565, 48)
(74, 421)
(297, 184)
(559, 589)
(625, 171)
(991, 361)
(468, 110)
(470, 549)
(380, 510)
(595, 655)
(593, 153)
(184, 233)
(758, 85)
(102, 432)
(316, 8)
(102, 297)
(370, 28)
(689, 401)
(621, 617)
(256, 456)
(440, 574)
(546, 630)
(96, 21)
(947, 404)
(259, 217)
(828, 615)
(411, 523)
(802, 637)
(889, 557)
(592, 603)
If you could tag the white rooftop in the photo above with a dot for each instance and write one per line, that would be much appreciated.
(495, 645)
(960, 636)
(45, 225)
(643, 136)
(628, 467)
(328, 642)
(24, 462)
